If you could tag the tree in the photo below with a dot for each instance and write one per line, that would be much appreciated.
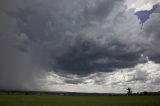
(129, 91)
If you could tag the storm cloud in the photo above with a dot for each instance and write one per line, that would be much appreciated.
(71, 37)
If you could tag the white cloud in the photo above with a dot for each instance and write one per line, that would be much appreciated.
(141, 4)
(143, 77)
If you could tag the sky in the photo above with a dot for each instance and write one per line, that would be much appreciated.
(102, 46)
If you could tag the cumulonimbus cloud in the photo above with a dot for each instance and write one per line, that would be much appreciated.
(70, 38)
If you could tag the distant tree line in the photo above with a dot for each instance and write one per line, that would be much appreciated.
(129, 93)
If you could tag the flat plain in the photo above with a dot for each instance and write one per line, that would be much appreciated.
(53, 100)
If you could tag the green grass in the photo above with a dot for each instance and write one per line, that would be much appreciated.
(51, 100)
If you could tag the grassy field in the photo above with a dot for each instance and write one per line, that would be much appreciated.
(51, 100)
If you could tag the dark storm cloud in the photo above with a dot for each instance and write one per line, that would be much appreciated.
(87, 57)
(101, 11)
(63, 36)
(18, 69)
(45, 42)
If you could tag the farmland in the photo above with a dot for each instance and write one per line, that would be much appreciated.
(56, 100)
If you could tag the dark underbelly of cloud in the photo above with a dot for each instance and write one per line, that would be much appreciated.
(86, 57)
